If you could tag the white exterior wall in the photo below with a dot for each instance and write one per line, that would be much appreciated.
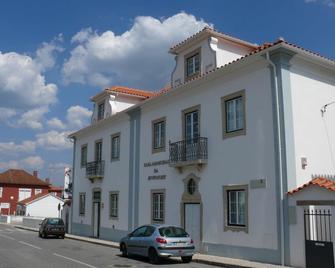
(115, 178)
(312, 88)
(45, 207)
(234, 160)
(228, 52)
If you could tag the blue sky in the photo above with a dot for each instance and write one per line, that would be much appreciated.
(56, 54)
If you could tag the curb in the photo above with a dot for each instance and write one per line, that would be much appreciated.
(219, 264)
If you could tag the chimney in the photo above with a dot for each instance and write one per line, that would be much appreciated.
(35, 173)
(47, 180)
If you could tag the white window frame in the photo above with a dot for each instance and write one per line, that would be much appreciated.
(158, 206)
(82, 201)
(101, 112)
(1, 190)
(83, 158)
(238, 225)
(38, 191)
(113, 205)
(115, 146)
(25, 196)
(232, 124)
(98, 150)
(158, 135)
(190, 61)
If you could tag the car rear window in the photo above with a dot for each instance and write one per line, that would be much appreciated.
(172, 231)
(55, 222)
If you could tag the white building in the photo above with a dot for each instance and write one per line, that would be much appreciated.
(41, 205)
(216, 153)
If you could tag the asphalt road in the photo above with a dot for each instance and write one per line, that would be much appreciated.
(21, 248)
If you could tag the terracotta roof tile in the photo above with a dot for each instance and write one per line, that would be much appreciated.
(132, 91)
(55, 189)
(215, 32)
(259, 49)
(19, 176)
(321, 182)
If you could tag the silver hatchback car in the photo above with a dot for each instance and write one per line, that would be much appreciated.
(158, 241)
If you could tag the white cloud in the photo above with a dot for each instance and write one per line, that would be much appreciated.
(31, 162)
(78, 116)
(6, 113)
(132, 57)
(45, 55)
(25, 96)
(329, 3)
(54, 140)
(9, 164)
(22, 85)
(55, 123)
(13, 148)
(32, 119)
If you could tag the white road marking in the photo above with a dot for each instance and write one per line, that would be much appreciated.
(30, 245)
(6, 236)
(9, 230)
(70, 259)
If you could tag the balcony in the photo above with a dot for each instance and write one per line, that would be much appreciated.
(95, 170)
(188, 152)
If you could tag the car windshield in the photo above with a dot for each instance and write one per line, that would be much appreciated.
(55, 222)
(172, 231)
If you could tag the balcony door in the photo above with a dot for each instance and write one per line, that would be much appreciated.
(192, 133)
(98, 151)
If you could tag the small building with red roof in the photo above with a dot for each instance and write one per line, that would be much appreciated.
(17, 185)
(40, 205)
(312, 223)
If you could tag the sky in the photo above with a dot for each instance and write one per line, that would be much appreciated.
(55, 55)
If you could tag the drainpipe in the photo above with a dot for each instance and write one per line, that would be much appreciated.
(282, 247)
(72, 181)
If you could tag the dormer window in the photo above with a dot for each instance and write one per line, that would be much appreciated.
(192, 64)
(101, 110)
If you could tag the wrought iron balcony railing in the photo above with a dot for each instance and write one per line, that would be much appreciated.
(188, 152)
(95, 169)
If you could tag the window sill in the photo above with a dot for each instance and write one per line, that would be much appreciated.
(236, 133)
(115, 159)
(157, 221)
(158, 150)
(190, 77)
(236, 228)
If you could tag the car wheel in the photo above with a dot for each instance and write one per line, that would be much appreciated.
(186, 259)
(62, 236)
(153, 256)
(44, 235)
(124, 250)
(39, 234)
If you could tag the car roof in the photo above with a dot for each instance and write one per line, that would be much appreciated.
(158, 225)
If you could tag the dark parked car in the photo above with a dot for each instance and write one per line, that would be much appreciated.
(52, 226)
(158, 241)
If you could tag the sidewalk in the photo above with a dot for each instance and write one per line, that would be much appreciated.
(200, 258)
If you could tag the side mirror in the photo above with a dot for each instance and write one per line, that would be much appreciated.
(40, 224)
(130, 235)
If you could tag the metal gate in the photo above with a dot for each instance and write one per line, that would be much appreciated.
(318, 239)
